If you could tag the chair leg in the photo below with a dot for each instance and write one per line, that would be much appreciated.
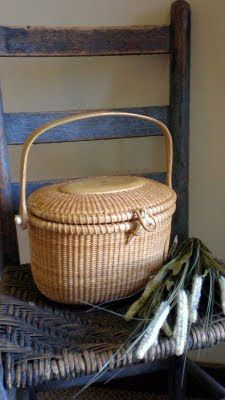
(176, 379)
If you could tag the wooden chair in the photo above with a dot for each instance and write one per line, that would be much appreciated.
(34, 352)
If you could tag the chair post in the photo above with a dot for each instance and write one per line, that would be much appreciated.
(8, 237)
(179, 108)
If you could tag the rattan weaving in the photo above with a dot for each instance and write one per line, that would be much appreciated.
(42, 340)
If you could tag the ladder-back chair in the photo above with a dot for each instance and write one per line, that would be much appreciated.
(35, 346)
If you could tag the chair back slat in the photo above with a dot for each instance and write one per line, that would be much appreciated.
(73, 41)
(19, 125)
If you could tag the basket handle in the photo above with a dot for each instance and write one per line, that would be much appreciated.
(22, 218)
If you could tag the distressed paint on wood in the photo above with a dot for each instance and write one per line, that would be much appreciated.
(19, 125)
(8, 236)
(179, 108)
(39, 41)
(34, 185)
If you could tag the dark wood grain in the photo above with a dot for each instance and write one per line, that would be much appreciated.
(19, 125)
(179, 108)
(39, 41)
(8, 236)
(34, 185)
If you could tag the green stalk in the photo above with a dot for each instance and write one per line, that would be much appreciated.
(174, 265)
(150, 287)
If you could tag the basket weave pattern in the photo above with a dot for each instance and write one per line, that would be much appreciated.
(72, 268)
(97, 239)
(43, 340)
(50, 204)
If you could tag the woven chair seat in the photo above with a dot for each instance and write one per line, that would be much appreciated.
(41, 340)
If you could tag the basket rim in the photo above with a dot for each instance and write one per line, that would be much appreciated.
(95, 229)
(49, 204)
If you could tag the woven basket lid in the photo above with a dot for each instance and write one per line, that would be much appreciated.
(101, 200)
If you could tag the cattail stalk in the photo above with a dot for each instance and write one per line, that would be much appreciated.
(152, 331)
(194, 298)
(181, 327)
(222, 292)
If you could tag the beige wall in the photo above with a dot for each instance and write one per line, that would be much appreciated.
(59, 84)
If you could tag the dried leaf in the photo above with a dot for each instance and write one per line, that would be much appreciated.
(177, 267)
(169, 284)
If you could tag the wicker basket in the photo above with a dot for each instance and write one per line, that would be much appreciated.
(97, 239)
